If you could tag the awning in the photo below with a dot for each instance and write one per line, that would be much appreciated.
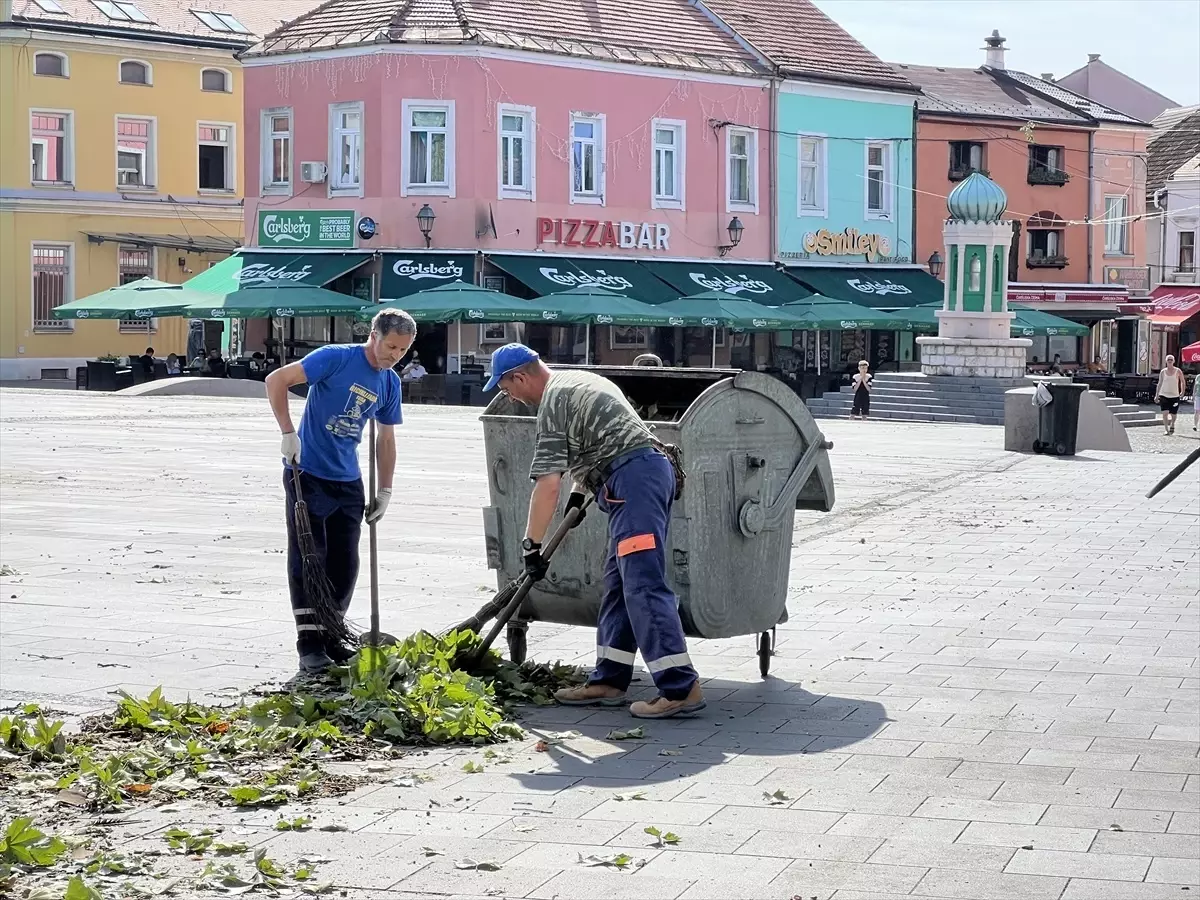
(145, 298)
(1097, 296)
(1174, 303)
(761, 283)
(197, 244)
(549, 274)
(259, 270)
(285, 301)
(878, 287)
(458, 301)
(406, 273)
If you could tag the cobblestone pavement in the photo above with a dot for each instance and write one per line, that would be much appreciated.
(987, 689)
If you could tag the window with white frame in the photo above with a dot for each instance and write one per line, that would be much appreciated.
(668, 174)
(216, 80)
(429, 147)
(346, 134)
(493, 333)
(812, 176)
(221, 21)
(741, 175)
(627, 337)
(133, 71)
(879, 166)
(134, 264)
(52, 64)
(51, 285)
(215, 157)
(49, 148)
(516, 151)
(1187, 251)
(51, 6)
(1116, 225)
(122, 11)
(587, 159)
(277, 151)
(135, 163)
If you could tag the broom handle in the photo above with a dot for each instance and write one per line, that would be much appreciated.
(374, 546)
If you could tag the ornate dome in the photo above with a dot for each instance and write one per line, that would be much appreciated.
(977, 199)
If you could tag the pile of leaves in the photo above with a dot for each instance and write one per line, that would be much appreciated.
(264, 750)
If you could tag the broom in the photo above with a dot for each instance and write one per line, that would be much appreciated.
(318, 590)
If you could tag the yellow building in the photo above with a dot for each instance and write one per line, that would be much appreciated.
(120, 157)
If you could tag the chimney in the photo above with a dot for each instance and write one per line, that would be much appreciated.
(1093, 57)
(1048, 76)
(995, 51)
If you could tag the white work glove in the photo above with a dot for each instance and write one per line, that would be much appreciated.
(290, 448)
(379, 507)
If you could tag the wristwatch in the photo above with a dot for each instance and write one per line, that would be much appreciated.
(529, 545)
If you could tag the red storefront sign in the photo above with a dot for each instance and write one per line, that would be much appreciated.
(1173, 304)
(596, 233)
(1065, 294)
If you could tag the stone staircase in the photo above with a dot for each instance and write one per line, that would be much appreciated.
(914, 397)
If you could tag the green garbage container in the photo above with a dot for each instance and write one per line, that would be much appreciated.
(1058, 420)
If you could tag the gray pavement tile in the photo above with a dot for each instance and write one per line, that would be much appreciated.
(441, 876)
(1078, 794)
(1142, 781)
(651, 811)
(805, 821)
(932, 786)
(407, 821)
(1052, 740)
(1184, 823)
(749, 870)
(589, 884)
(1158, 800)
(792, 845)
(1134, 843)
(1103, 867)
(872, 747)
(816, 874)
(887, 803)
(1090, 889)
(898, 828)
(988, 886)
(1019, 772)
(752, 772)
(562, 831)
(1168, 762)
(942, 856)
(611, 788)
(971, 753)
(1174, 871)
(559, 857)
(1102, 817)
(563, 805)
(980, 810)
(1085, 760)
(1043, 837)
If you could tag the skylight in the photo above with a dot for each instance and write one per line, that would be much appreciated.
(219, 21)
(121, 11)
(51, 6)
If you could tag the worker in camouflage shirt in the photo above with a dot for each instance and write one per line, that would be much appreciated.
(588, 429)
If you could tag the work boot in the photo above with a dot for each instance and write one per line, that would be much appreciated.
(662, 708)
(313, 658)
(339, 654)
(590, 695)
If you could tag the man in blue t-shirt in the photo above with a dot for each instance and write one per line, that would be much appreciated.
(349, 384)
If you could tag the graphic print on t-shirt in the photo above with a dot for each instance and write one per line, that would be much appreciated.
(359, 402)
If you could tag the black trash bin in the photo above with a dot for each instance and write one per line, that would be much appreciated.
(1058, 420)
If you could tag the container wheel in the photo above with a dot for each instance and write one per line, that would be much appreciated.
(1060, 449)
(766, 646)
(1038, 446)
(517, 644)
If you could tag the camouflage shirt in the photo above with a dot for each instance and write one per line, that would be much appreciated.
(583, 422)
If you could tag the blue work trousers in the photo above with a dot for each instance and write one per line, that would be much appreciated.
(639, 610)
(335, 511)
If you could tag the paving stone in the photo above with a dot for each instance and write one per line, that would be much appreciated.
(898, 828)
(1089, 889)
(1086, 760)
(1133, 843)
(995, 834)
(1184, 823)
(1174, 871)
(705, 838)
(1019, 772)
(652, 810)
(1175, 801)
(792, 845)
(1067, 794)
(942, 856)
(417, 822)
(441, 876)
(980, 810)
(888, 803)
(588, 884)
(1140, 781)
(1100, 866)
(804, 821)
(815, 874)
(753, 872)
(948, 883)
(1105, 817)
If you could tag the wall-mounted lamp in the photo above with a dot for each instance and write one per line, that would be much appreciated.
(425, 222)
(735, 235)
(935, 264)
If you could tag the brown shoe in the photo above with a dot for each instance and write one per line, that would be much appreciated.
(590, 695)
(662, 708)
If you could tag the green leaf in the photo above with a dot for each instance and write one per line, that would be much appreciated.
(24, 844)
(78, 889)
(777, 798)
(301, 823)
(631, 734)
(245, 794)
(472, 767)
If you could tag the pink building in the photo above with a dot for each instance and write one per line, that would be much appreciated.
(614, 142)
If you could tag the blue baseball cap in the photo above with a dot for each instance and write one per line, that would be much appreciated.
(507, 358)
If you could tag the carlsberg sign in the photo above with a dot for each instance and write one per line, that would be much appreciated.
(305, 228)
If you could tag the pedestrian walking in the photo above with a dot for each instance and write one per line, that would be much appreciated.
(1172, 384)
(587, 429)
(862, 391)
(348, 385)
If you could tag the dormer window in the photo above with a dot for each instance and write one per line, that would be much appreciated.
(122, 11)
(134, 72)
(53, 64)
(220, 21)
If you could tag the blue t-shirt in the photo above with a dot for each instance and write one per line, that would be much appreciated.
(344, 391)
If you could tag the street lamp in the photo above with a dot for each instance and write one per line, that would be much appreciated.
(425, 222)
(935, 264)
(735, 235)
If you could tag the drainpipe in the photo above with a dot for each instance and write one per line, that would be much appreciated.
(1090, 199)
(1162, 235)
(773, 167)
(913, 213)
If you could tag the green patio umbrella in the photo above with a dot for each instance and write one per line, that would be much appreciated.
(823, 314)
(141, 299)
(592, 304)
(713, 309)
(260, 302)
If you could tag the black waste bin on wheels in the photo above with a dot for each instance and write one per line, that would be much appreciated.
(1058, 420)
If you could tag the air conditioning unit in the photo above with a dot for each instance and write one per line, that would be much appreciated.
(313, 172)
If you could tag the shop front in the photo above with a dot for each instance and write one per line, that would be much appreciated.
(1117, 341)
(1173, 311)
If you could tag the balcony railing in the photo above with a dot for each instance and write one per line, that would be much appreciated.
(958, 173)
(1046, 262)
(1039, 174)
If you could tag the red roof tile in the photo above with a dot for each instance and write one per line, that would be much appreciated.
(801, 40)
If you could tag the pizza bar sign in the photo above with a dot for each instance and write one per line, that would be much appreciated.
(595, 233)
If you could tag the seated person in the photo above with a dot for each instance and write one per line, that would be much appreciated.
(172, 364)
(258, 362)
(414, 371)
(147, 361)
(214, 365)
(1096, 367)
(1056, 366)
